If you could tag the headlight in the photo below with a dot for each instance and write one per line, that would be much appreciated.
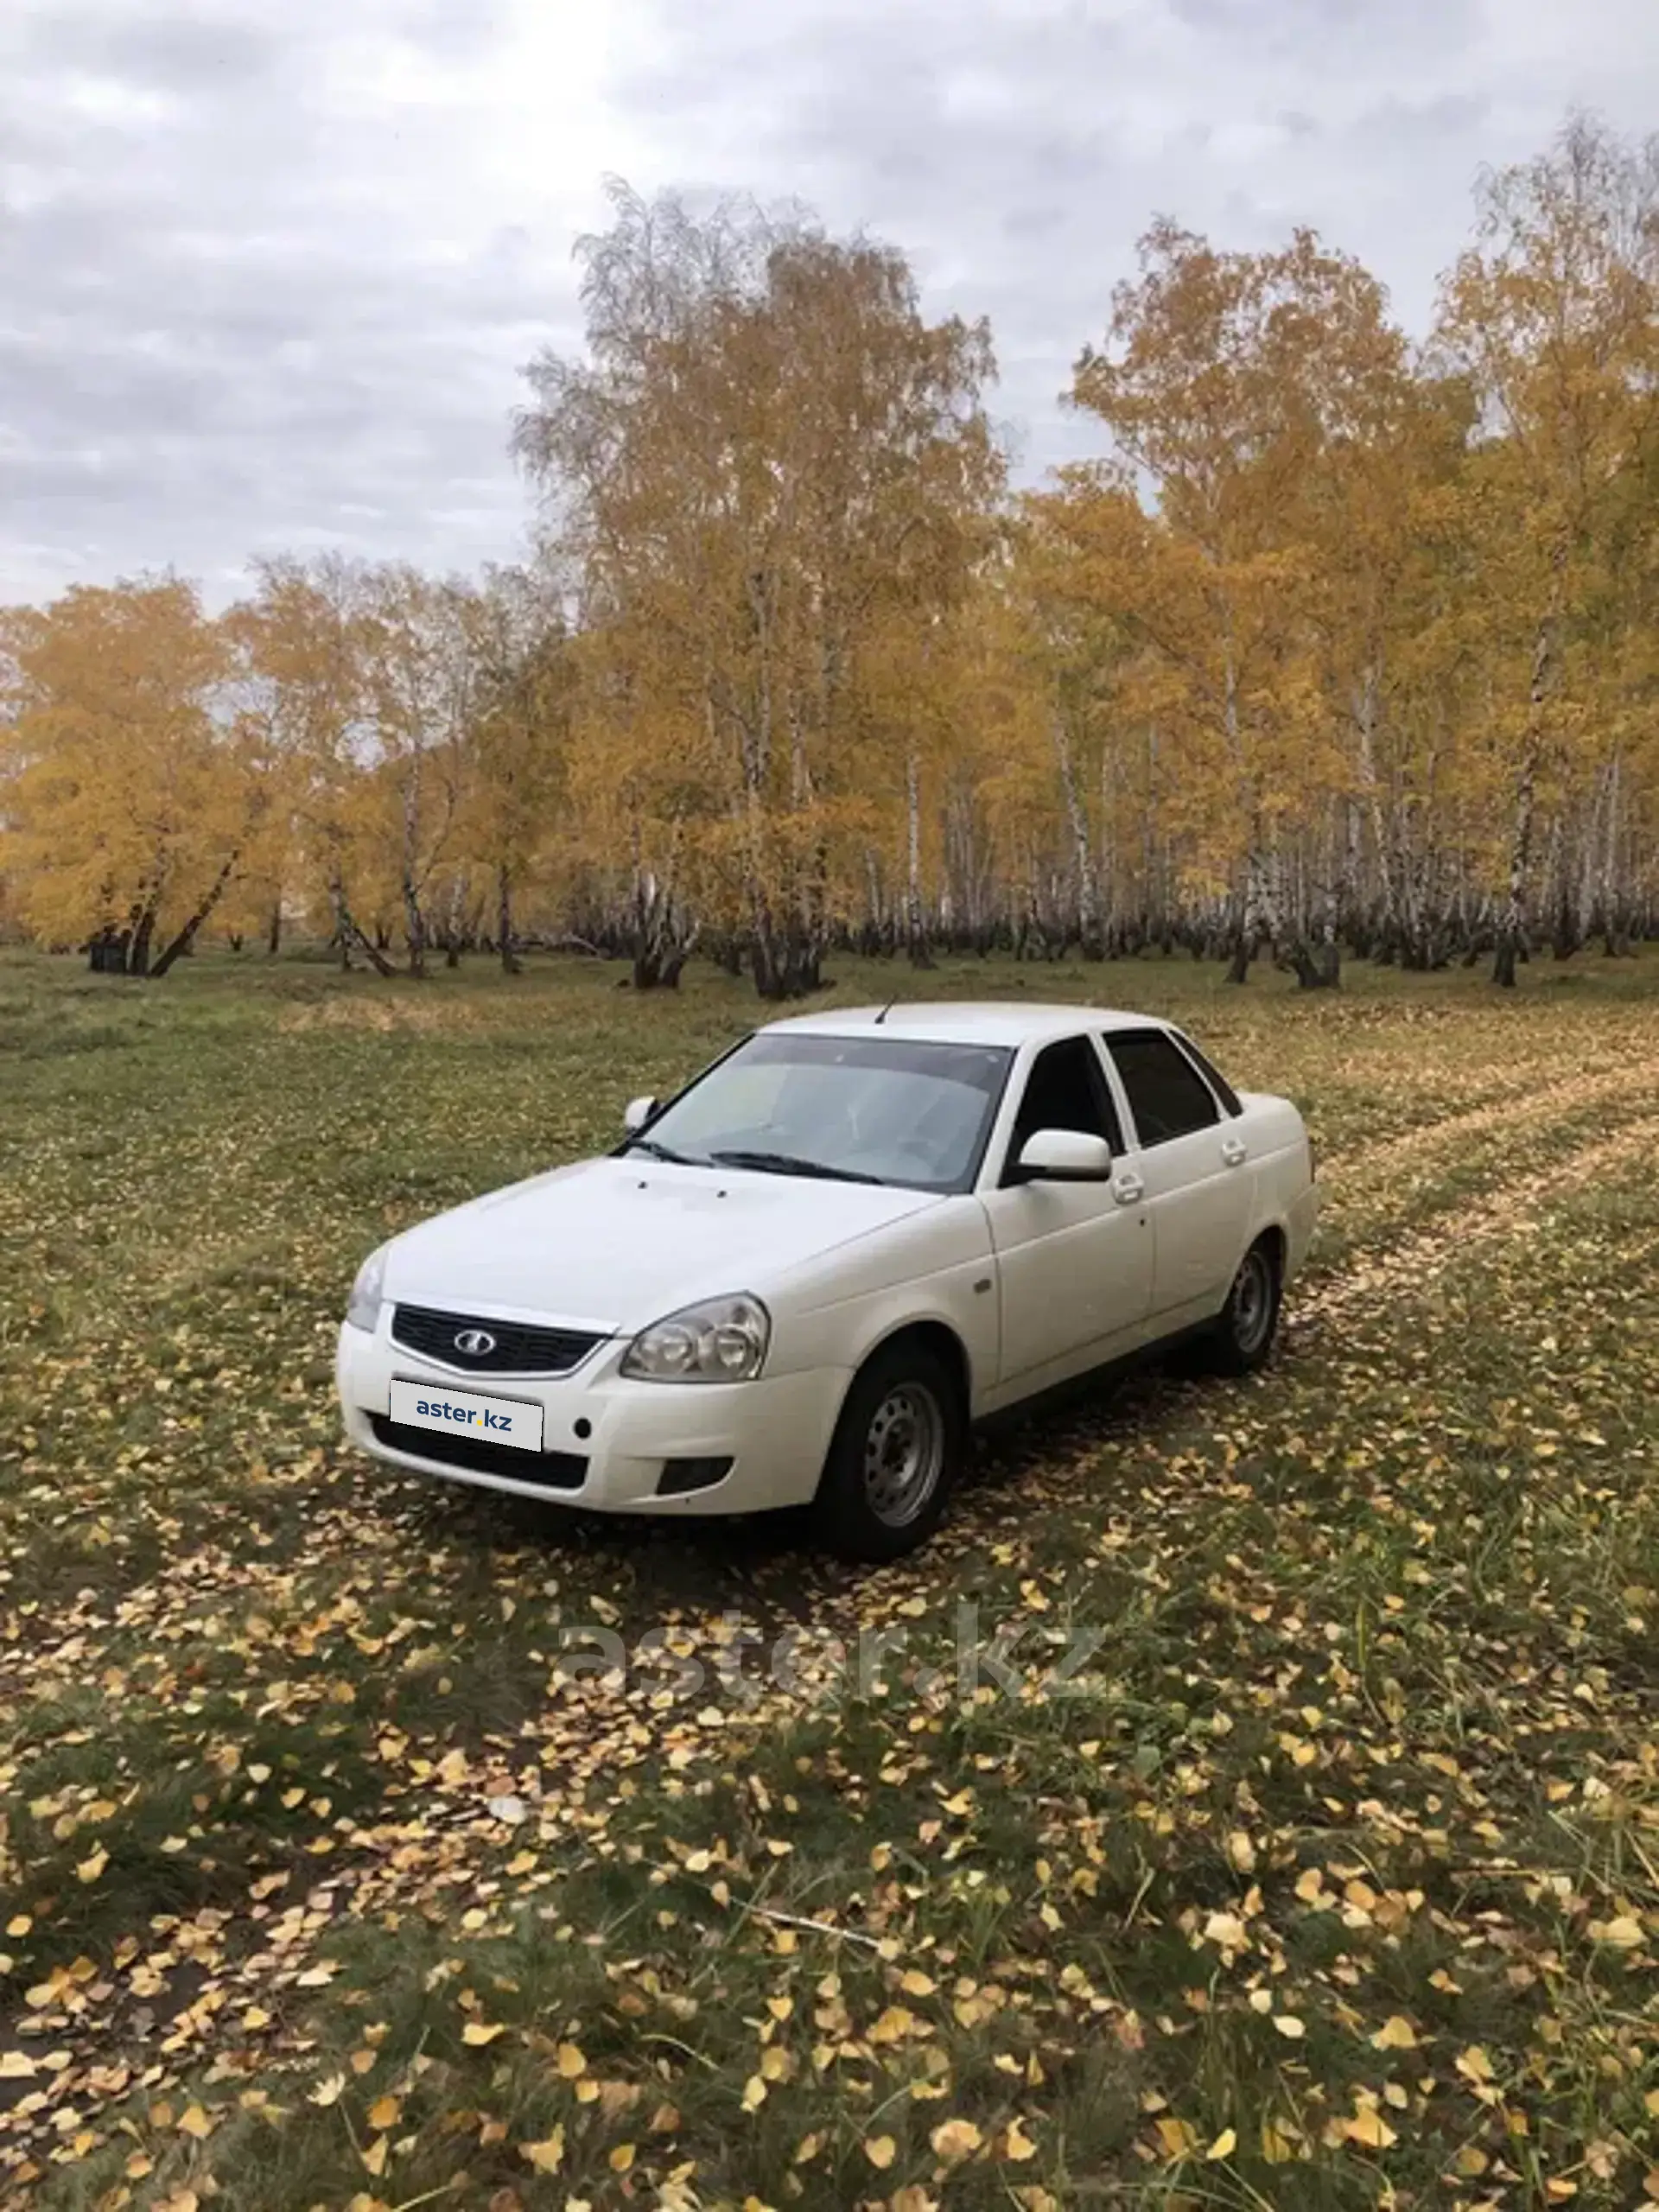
(721, 1340)
(362, 1306)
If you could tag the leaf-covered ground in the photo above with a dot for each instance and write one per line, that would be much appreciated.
(367, 1842)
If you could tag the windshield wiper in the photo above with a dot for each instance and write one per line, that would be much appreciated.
(662, 1151)
(786, 1163)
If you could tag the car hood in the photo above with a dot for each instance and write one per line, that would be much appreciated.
(613, 1245)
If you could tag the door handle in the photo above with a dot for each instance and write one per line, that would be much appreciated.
(1233, 1151)
(1128, 1188)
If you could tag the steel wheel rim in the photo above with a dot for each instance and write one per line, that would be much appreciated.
(1252, 1302)
(904, 1452)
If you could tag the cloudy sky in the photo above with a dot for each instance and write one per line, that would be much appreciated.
(268, 268)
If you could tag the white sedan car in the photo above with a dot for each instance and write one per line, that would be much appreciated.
(802, 1279)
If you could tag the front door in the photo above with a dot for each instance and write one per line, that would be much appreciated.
(1074, 1262)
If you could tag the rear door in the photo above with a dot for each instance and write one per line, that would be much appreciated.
(1189, 1156)
(1074, 1262)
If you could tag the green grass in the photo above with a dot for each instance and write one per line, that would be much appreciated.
(1338, 1859)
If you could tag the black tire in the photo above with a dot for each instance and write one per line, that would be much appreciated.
(895, 1455)
(1242, 1339)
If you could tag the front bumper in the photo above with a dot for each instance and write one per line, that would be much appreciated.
(774, 1431)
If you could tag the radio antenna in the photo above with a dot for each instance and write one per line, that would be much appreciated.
(885, 1012)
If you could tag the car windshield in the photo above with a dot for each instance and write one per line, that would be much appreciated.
(866, 1109)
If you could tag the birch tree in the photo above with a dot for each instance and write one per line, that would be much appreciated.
(1554, 317)
(766, 455)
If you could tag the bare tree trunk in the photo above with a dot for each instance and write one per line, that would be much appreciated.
(915, 923)
(452, 925)
(343, 925)
(1612, 916)
(414, 920)
(413, 929)
(138, 945)
(1338, 876)
(511, 963)
(185, 936)
(350, 932)
(1512, 931)
(1365, 718)
(1086, 882)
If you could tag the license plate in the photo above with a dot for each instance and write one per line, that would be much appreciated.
(467, 1413)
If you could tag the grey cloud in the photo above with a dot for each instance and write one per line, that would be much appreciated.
(943, 127)
(226, 327)
(172, 52)
(266, 278)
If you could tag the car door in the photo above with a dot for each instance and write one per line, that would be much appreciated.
(1190, 1157)
(1074, 1262)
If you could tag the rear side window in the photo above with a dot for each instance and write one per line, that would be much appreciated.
(1167, 1095)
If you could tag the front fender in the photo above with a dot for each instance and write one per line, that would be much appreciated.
(844, 1330)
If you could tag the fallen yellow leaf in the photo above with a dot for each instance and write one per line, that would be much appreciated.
(547, 2156)
(1179, 2138)
(1624, 1934)
(1276, 2146)
(954, 2139)
(1368, 2127)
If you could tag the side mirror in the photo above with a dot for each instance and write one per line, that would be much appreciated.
(636, 1114)
(1065, 1156)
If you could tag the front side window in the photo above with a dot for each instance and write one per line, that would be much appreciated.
(1167, 1095)
(866, 1109)
(1066, 1088)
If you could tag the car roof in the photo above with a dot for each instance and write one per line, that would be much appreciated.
(967, 1021)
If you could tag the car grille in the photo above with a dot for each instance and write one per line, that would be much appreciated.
(518, 1347)
(546, 1470)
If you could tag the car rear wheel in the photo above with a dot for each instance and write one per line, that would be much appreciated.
(896, 1451)
(1245, 1327)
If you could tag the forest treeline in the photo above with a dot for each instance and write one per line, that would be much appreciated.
(1351, 644)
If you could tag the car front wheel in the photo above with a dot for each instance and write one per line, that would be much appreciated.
(896, 1451)
(1244, 1329)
